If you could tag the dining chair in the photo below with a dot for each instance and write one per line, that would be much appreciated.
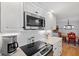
(72, 37)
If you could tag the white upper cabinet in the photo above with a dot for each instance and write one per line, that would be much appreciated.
(50, 20)
(33, 8)
(11, 16)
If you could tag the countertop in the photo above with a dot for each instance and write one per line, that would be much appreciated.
(19, 52)
(8, 34)
(52, 40)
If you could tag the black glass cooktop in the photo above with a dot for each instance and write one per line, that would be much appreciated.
(32, 48)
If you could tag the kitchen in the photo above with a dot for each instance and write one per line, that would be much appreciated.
(20, 35)
(35, 29)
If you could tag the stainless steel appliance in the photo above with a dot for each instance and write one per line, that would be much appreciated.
(33, 21)
(37, 48)
(44, 51)
(9, 44)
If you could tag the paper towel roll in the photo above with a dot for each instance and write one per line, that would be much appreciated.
(0, 44)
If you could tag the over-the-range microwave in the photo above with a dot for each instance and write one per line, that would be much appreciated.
(33, 21)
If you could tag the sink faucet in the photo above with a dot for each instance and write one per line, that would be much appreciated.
(31, 39)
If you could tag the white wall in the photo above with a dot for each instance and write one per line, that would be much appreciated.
(50, 20)
(25, 35)
(73, 20)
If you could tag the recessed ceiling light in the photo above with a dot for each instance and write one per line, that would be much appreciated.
(51, 11)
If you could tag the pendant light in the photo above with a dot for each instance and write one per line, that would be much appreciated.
(68, 26)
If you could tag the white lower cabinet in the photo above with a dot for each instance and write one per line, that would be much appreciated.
(56, 43)
(57, 48)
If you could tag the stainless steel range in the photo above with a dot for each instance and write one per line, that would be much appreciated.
(38, 48)
(44, 51)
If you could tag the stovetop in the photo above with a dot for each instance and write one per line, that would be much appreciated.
(33, 48)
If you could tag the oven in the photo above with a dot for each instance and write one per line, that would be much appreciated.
(44, 51)
(37, 48)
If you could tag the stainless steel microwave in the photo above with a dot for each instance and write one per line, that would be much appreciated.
(33, 21)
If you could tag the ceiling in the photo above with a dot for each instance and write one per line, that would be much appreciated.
(62, 9)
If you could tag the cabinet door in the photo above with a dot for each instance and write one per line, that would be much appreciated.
(11, 16)
(57, 48)
(28, 7)
(33, 8)
(50, 53)
(39, 10)
(56, 53)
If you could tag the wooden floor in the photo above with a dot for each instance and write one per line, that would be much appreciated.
(69, 50)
